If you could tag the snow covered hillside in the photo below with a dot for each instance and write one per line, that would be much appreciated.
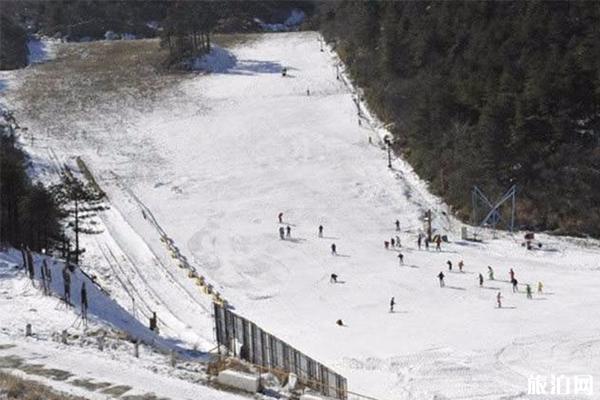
(76, 365)
(216, 157)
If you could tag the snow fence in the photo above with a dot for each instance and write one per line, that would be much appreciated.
(249, 342)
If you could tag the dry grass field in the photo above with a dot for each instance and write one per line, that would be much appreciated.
(107, 82)
(12, 387)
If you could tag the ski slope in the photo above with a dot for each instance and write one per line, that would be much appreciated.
(221, 154)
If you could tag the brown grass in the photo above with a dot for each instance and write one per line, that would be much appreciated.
(96, 90)
(17, 388)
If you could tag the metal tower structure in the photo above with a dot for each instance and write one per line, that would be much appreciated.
(493, 214)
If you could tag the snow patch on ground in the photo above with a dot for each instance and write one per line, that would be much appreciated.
(41, 49)
(295, 18)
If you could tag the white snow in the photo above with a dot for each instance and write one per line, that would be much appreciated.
(225, 152)
(295, 18)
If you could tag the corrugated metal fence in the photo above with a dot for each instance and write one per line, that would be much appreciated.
(249, 342)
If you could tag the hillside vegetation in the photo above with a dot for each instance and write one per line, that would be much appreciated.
(12, 387)
(486, 93)
(29, 213)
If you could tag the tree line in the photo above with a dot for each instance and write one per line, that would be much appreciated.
(29, 213)
(486, 93)
(184, 26)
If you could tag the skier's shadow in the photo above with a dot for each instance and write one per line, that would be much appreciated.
(399, 312)
(455, 287)
(296, 240)
(508, 308)
(342, 255)
(413, 266)
(540, 298)
(340, 282)
(490, 287)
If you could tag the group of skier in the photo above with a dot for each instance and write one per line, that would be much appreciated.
(395, 242)
(513, 281)
(423, 239)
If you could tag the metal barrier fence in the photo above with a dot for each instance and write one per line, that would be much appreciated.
(249, 342)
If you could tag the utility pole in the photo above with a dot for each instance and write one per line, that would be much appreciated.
(389, 150)
(428, 218)
(76, 231)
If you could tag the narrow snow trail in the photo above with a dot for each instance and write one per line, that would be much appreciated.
(224, 153)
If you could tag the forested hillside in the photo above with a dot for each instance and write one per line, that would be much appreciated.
(486, 93)
(29, 213)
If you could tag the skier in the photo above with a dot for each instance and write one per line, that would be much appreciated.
(441, 278)
(540, 287)
(307, 91)
(333, 278)
(512, 275)
(427, 244)
(514, 282)
(499, 299)
(490, 273)
(66, 284)
(528, 289)
(398, 225)
(398, 241)
(84, 301)
(438, 243)
(281, 233)
(333, 249)
(393, 242)
(280, 216)
(419, 240)
(480, 280)
(288, 231)
(339, 322)
(401, 258)
(449, 265)
(320, 231)
(392, 304)
(461, 264)
(386, 244)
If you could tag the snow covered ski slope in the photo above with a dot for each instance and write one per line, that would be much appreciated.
(220, 155)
